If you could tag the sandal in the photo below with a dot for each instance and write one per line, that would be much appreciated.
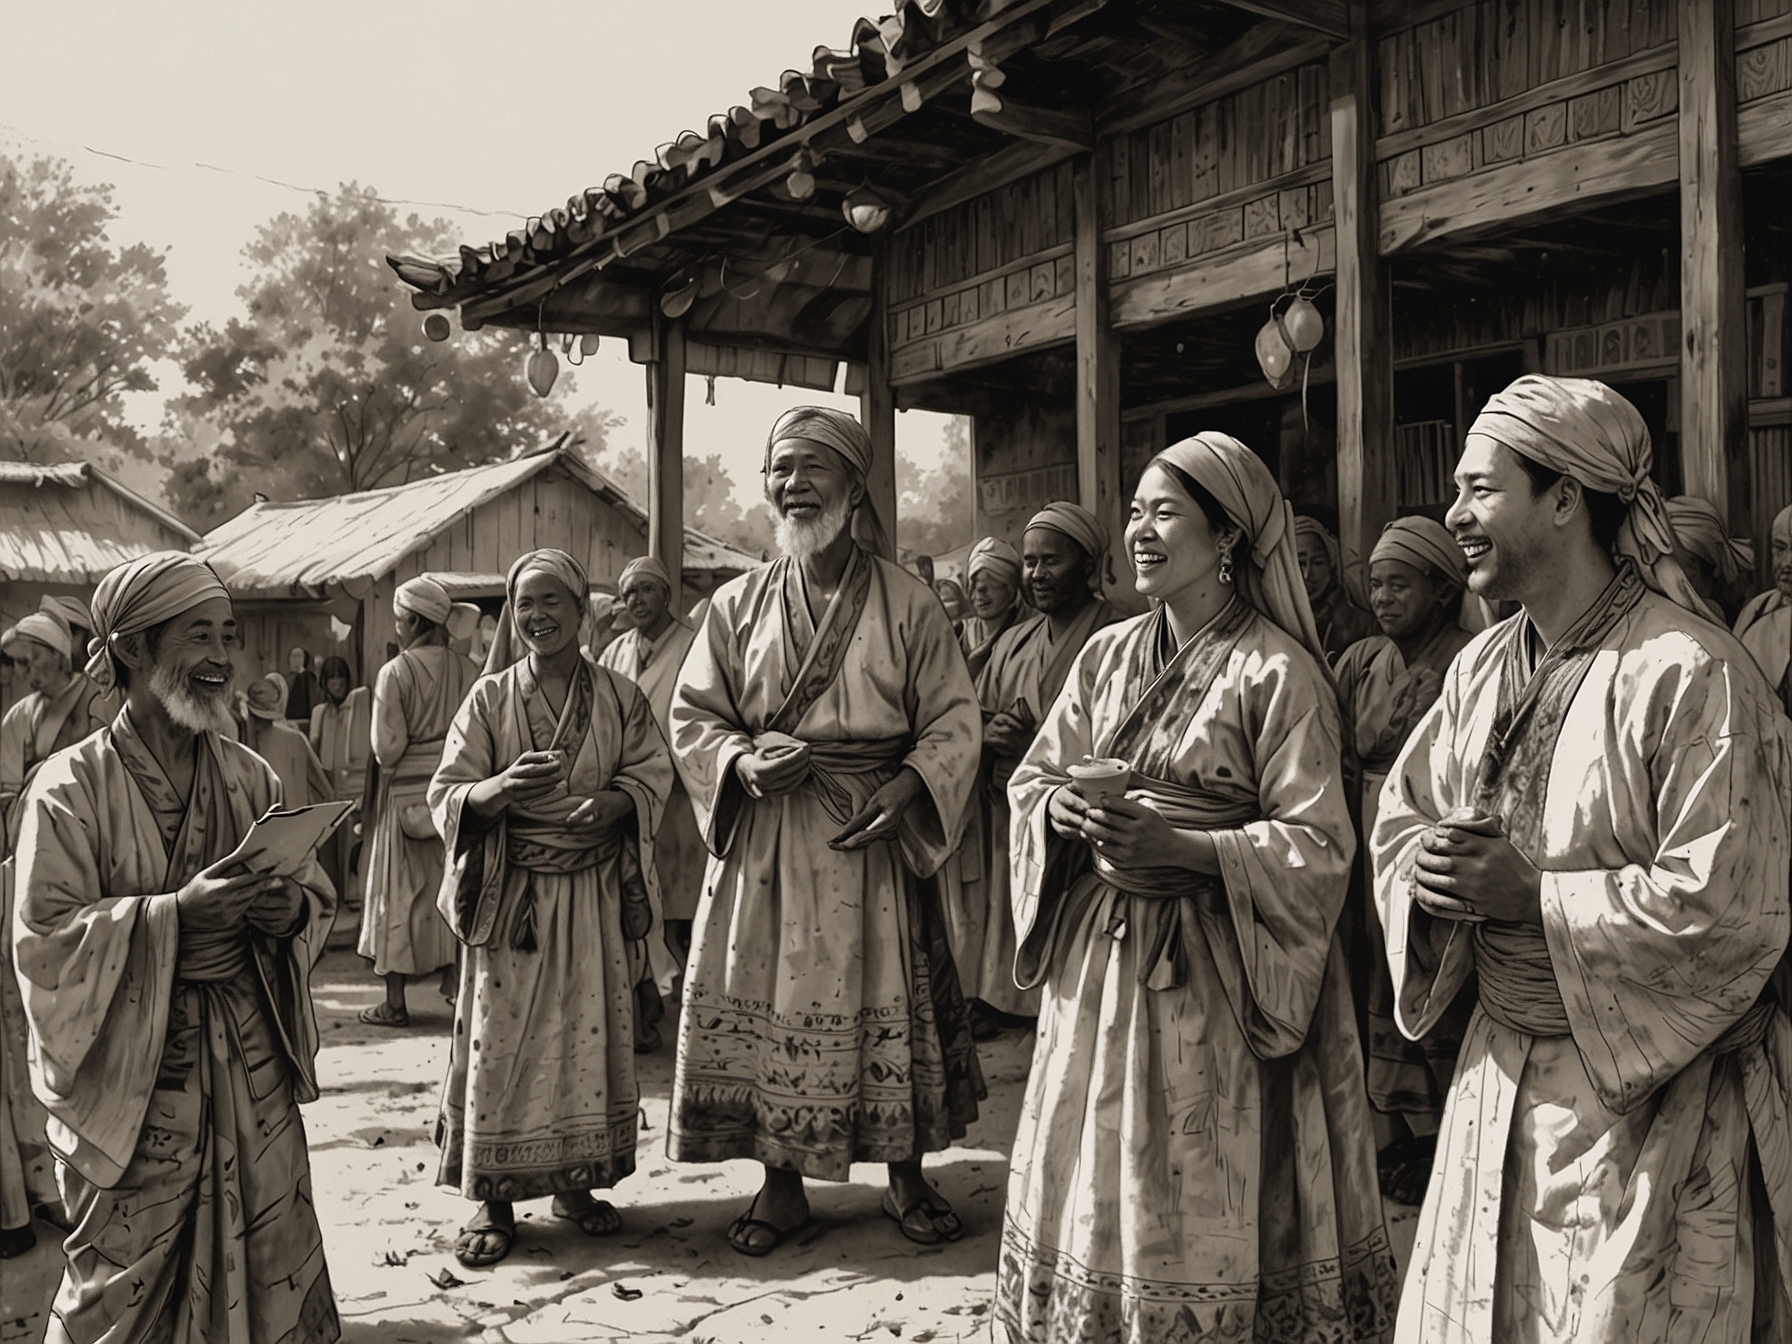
(596, 1218)
(384, 1015)
(483, 1246)
(926, 1222)
(740, 1233)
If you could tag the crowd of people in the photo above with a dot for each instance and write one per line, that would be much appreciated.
(1461, 880)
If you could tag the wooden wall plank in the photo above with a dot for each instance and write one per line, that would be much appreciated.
(1099, 488)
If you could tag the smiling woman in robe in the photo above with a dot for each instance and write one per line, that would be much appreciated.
(1194, 1157)
(548, 797)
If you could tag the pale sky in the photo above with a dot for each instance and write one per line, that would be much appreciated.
(506, 108)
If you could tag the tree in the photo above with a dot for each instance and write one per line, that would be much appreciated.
(710, 504)
(81, 322)
(328, 383)
(937, 508)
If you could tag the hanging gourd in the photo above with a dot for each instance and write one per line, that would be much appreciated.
(1275, 352)
(542, 368)
(436, 327)
(1304, 326)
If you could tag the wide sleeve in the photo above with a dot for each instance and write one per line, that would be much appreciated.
(1657, 958)
(95, 972)
(948, 738)
(643, 772)
(390, 736)
(474, 872)
(708, 728)
(1429, 959)
(1285, 875)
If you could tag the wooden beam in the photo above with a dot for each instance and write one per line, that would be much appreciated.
(1331, 17)
(1262, 53)
(665, 453)
(1066, 128)
(1363, 324)
(1224, 279)
(1099, 487)
(1713, 310)
(877, 403)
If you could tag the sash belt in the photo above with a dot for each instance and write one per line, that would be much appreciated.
(544, 850)
(1517, 979)
(831, 764)
(419, 762)
(212, 955)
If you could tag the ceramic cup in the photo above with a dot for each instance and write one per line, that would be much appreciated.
(1100, 778)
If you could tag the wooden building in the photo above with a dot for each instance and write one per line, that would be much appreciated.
(62, 526)
(319, 574)
(1070, 218)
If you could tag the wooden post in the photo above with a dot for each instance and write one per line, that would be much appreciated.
(1713, 304)
(665, 453)
(1363, 336)
(877, 404)
(1099, 488)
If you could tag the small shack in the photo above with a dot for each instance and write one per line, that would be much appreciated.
(319, 574)
(62, 526)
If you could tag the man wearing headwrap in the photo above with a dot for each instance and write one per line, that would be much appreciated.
(993, 577)
(649, 654)
(1341, 621)
(1386, 684)
(268, 734)
(1765, 625)
(1590, 827)
(1063, 552)
(1714, 561)
(168, 994)
(63, 706)
(827, 732)
(414, 700)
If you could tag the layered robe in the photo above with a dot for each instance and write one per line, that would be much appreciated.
(540, 1097)
(286, 748)
(414, 701)
(171, 1061)
(1615, 1162)
(823, 1024)
(1765, 629)
(1193, 1159)
(1384, 697)
(34, 729)
(977, 637)
(1026, 663)
(653, 666)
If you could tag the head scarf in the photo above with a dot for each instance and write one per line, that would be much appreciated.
(1427, 545)
(1579, 427)
(45, 629)
(995, 554)
(69, 611)
(1269, 576)
(847, 437)
(509, 647)
(423, 597)
(143, 593)
(1698, 528)
(1082, 527)
(644, 566)
(463, 621)
(267, 697)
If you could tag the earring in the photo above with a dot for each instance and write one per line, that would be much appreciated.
(1225, 549)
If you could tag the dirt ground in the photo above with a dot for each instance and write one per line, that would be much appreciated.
(667, 1276)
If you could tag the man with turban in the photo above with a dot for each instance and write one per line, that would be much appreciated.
(1063, 553)
(993, 575)
(827, 733)
(1714, 561)
(1590, 827)
(414, 700)
(649, 654)
(168, 993)
(1765, 625)
(1386, 684)
(1341, 621)
(268, 734)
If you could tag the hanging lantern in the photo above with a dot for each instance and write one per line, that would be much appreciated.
(676, 299)
(801, 182)
(436, 327)
(1304, 326)
(1275, 353)
(542, 367)
(865, 210)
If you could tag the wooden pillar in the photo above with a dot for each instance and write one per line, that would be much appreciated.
(1099, 487)
(1363, 335)
(665, 453)
(1713, 304)
(877, 403)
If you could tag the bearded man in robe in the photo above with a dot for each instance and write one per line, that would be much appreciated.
(168, 994)
(1592, 822)
(414, 700)
(649, 654)
(993, 574)
(827, 733)
(1341, 621)
(1063, 551)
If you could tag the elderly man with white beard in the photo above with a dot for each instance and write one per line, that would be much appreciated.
(168, 994)
(828, 734)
